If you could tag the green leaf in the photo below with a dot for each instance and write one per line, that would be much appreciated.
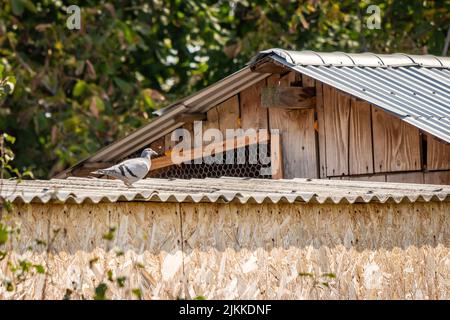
(79, 88)
(123, 85)
(17, 7)
(39, 268)
(329, 275)
(121, 281)
(137, 293)
(9, 138)
(109, 236)
(8, 205)
(306, 274)
(9, 286)
(3, 234)
(110, 275)
(119, 253)
(40, 242)
(100, 291)
(200, 298)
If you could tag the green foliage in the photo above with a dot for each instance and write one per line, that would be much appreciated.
(121, 281)
(78, 90)
(109, 236)
(39, 268)
(100, 291)
(3, 234)
(318, 281)
(137, 293)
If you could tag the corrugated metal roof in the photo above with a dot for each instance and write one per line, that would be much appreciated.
(241, 190)
(414, 88)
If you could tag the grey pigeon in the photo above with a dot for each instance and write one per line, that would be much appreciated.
(130, 170)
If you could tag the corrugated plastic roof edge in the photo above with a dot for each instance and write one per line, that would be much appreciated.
(220, 190)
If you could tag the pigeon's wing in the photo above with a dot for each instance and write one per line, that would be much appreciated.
(113, 171)
(129, 171)
(135, 169)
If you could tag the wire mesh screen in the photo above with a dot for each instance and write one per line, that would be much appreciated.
(246, 164)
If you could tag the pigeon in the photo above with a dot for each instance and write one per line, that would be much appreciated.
(130, 170)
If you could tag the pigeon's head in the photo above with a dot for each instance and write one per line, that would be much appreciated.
(148, 153)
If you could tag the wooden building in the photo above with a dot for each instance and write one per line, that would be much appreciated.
(339, 116)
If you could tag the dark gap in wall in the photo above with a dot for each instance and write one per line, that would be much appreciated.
(424, 151)
(349, 120)
(371, 137)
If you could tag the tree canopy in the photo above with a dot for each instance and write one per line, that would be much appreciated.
(78, 90)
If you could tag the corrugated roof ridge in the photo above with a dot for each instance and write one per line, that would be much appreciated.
(365, 59)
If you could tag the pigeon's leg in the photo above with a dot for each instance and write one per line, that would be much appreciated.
(129, 185)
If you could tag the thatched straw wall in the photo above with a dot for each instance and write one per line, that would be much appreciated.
(270, 251)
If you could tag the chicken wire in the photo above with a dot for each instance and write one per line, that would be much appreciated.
(242, 167)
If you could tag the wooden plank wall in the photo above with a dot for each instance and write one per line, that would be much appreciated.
(297, 134)
(337, 116)
(360, 138)
(396, 143)
(244, 111)
(343, 137)
(359, 141)
(438, 155)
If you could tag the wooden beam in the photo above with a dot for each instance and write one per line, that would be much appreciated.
(276, 155)
(288, 97)
(196, 153)
(190, 117)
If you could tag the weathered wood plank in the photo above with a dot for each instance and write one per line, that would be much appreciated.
(228, 113)
(438, 154)
(297, 135)
(360, 135)
(252, 115)
(276, 155)
(320, 127)
(308, 81)
(437, 177)
(405, 177)
(288, 97)
(396, 144)
(337, 113)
